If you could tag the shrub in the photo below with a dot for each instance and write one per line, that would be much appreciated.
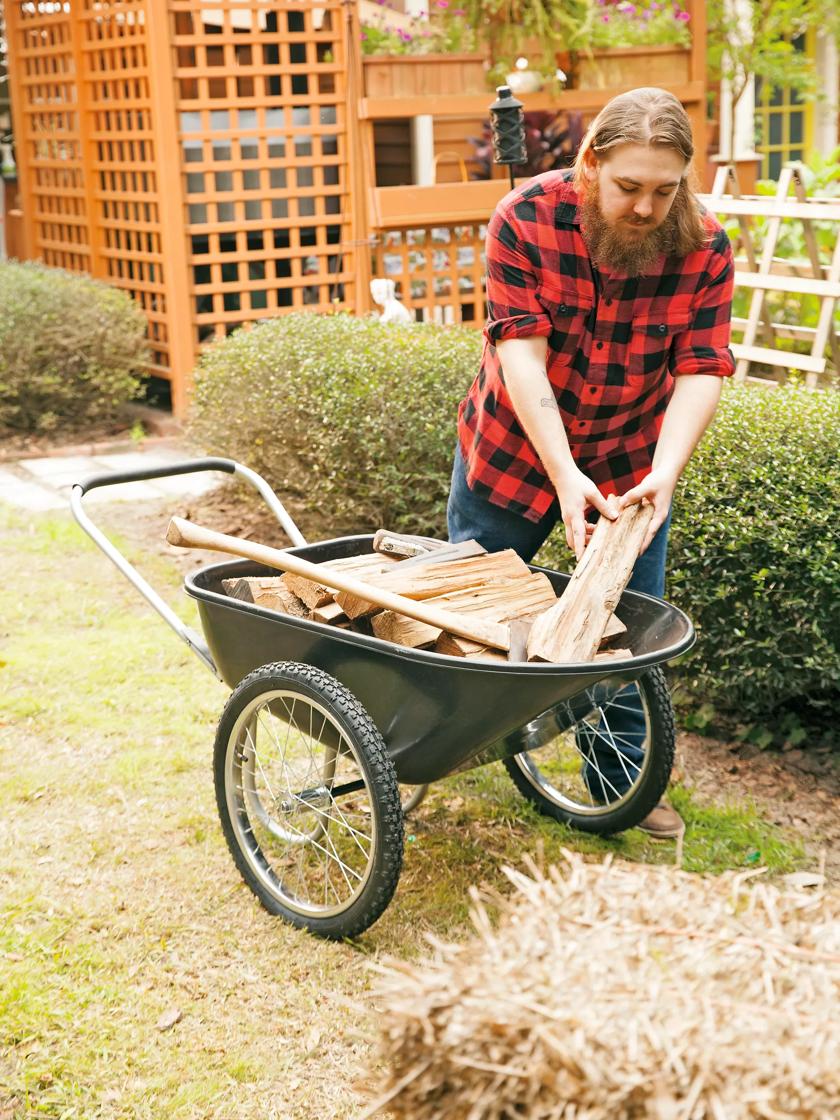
(356, 416)
(70, 347)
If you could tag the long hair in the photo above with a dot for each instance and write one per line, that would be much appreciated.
(650, 117)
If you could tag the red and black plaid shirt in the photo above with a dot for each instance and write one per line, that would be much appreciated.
(614, 346)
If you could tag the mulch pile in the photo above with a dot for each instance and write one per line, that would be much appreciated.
(617, 992)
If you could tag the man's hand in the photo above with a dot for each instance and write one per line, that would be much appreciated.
(657, 489)
(575, 492)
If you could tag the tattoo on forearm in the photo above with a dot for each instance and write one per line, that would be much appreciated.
(548, 402)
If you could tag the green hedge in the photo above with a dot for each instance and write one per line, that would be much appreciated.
(71, 348)
(354, 416)
(358, 419)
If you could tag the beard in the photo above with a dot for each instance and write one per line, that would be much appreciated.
(614, 248)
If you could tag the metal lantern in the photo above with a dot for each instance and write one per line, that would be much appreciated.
(507, 124)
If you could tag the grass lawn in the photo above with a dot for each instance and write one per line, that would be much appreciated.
(139, 978)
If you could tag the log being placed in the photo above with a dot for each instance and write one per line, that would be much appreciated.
(572, 630)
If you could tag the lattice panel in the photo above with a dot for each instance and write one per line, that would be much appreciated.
(438, 270)
(261, 118)
(117, 96)
(41, 42)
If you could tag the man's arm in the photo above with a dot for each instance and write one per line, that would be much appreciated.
(524, 366)
(693, 403)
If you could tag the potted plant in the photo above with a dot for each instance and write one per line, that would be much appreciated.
(596, 43)
(404, 56)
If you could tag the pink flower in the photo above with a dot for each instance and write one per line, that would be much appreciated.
(442, 3)
(605, 19)
(683, 16)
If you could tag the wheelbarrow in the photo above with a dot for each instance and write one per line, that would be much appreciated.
(324, 724)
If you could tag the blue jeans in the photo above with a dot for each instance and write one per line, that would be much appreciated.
(470, 517)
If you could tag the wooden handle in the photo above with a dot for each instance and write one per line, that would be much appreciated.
(187, 535)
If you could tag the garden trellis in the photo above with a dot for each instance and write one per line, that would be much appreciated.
(760, 270)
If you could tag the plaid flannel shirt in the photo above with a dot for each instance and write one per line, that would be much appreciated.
(615, 344)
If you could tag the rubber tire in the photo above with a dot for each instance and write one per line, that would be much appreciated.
(377, 770)
(653, 689)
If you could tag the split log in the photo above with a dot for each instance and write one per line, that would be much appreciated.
(266, 591)
(613, 655)
(316, 594)
(572, 630)
(614, 627)
(422, 582)
(330, 613)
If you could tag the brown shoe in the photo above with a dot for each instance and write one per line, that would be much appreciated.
(663, 823)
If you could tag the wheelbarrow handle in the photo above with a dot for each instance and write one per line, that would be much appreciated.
(188, 466)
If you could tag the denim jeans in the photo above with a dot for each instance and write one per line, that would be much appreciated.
(470, 517)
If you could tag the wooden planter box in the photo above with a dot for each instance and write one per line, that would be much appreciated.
(416, 75)
(630, 67)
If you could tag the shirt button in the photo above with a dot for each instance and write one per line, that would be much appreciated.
(609, 303)
(563, 307)
(662, 328)
(592, 389)
(599, 346)
(581, 423)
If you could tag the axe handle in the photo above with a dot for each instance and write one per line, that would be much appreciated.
(187, 535)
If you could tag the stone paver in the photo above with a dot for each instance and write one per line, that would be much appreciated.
(44, 484)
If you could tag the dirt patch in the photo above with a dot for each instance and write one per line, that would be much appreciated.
(798, 790)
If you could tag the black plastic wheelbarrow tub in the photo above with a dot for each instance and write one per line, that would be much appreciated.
(437, 714)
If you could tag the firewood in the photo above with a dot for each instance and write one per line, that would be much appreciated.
(330, 613)
(572, 630)
(615, 627)
(402, 631)
(613, 655)
(266, 591)
(522, 596)
(428, 582)
(318, 594)
(185, 534)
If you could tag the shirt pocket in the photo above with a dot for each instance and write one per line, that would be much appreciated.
(651, 340)
(568, 310)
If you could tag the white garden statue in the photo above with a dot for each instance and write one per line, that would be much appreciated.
(384, 293)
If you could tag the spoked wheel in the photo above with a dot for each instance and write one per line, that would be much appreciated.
(308, 800)
(610, 767)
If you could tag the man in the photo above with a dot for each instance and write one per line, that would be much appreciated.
(609, 295)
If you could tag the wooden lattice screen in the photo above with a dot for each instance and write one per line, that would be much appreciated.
(438, 270)
(192, 152)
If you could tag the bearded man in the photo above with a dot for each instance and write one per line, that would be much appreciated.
(609, 295)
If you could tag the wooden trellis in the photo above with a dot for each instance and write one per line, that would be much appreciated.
(196, 153)
(759, 270)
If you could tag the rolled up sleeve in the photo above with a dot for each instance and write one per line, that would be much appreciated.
(703, 347)
(513, 310)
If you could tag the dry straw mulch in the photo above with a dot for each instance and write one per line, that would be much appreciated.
(614, 992)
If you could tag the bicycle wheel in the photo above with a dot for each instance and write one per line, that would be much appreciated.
(590, 774)
(308, 800)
